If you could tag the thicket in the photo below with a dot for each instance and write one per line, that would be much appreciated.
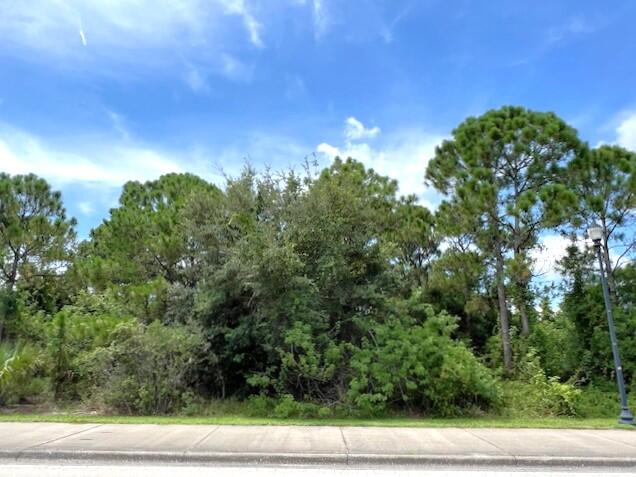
(324, 292)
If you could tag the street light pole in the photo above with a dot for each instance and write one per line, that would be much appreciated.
(626, 417)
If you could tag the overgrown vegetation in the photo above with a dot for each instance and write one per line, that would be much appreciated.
(327, 295)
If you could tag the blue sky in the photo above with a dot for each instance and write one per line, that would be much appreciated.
(97, 92)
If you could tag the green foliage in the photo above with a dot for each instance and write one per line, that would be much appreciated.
(605, 179)
(557, 346)
(583, 307)
(284, 302)
(411, 360)
(536, 394)
(20, 373)
(146, 236)
(146, 369)
(9, 313)
(35, 239)
(76, 330)
(455, 285)
(34, 231)
(503, 174)
(416, 242)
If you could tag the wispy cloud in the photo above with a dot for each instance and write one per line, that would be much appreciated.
(238, 7)
(196, 81)
(111, 162)
(561, 33)
(108, 162)
(572, 27)
(321, 18)
(116, 30)
(235, 69)
(86, 207)
(354, 130)
(119, 125)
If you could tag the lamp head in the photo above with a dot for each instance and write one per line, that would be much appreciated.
(595, 232)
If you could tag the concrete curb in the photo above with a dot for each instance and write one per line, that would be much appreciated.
(315, 459)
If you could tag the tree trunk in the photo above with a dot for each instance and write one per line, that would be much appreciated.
(523, 312)
(521, 294)
(13, 274)
(504, 319)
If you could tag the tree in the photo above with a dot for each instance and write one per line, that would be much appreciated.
(500, 172)
(583, 307)
(146, 236)
(459, 281)
(306, 273)
(36, 237)
(605, 182)
(416, 241)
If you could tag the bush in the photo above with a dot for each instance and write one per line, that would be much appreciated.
(412, 361)
(599, 401)
(309, 364)
(536, 394)
(259, 406)
(146, 369)
(76, 330)
(556, 344)
(19, 369)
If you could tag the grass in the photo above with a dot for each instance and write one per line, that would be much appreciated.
(598, 410)
(541, 423)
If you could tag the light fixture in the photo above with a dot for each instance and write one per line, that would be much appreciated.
(595, 232)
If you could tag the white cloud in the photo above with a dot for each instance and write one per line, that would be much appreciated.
(402, 155)
(626, 132)
(547, 253)
(86, 208)
(107, 163)
(119, 28)
(321, 18)
(102, 164)
(552, 248)
(328, 150)
(355, 130)
(253, 27)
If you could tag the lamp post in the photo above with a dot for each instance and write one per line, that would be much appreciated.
(595, 232)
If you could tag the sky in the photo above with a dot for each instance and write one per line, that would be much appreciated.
(94, 93)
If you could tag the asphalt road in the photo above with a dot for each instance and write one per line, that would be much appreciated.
(72, 470)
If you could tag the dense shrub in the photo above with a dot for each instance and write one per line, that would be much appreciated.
(21, 373)
(411, 360)
(146, 369)
(536, 394)
(556, 346)
(78, 329)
